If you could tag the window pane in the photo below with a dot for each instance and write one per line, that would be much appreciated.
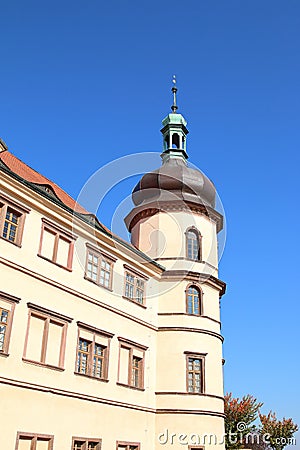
(63, 252)
(24, 443)
(124, 365)
(35, 338)
(105, 273)
(42, 444)
(82, 356)
(136, 371)
(192, 245)
(195, 375)
(78, 445)
(92, 267)
(54, 343)
(48, 244)
(98, 361)
(3, 326)
(10, 225)
(92, 445)
(193, 300)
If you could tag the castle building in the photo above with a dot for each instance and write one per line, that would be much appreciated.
(120, 348)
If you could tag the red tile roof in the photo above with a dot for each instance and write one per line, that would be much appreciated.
(27, 173)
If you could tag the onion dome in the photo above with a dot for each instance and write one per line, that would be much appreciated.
(174, 180)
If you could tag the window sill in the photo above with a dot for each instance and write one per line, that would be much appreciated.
(55, 263)
(195, 393)
(194, 315)
(40, 364)
(105, 380)
(133, 301)
(97, 284)
(2, 353)
(17, 244)
(195, 260)
(131, 387)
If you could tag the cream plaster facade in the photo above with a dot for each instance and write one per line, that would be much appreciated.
(45, 402)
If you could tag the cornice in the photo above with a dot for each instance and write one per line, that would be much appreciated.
(41, 309)
(152, 208)
(105, 401)
(196, 277)
(192, 330)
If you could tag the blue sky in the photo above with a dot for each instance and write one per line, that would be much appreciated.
(84, 83)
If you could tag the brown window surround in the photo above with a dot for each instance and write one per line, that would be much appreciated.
(195, 372)
(45, 328)
(193, 244)
(12, 219)
(134, 286)
(128, 445)
(79, 443)
(58, 236)
(99, 267)
(193, 298)
(33, 440)
(92, 354)
(135, 364)
(7, 309)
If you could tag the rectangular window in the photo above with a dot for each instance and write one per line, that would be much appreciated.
(131, 364)
(27, 441)
(86, 444)
(12, 217)
(92, 352)
(128, 446)
(46, 337)
(137, 367)
(56, 245)
(99, 267)
(195, 373)
(135, 287)
(7, 308)
(4, 317)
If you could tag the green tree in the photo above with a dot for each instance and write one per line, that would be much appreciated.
(280, 431)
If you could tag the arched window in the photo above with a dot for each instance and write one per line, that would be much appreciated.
(193, 300)
(175, 140)
(193, 248)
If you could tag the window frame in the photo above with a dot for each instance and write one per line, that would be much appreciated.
(100, 333)
(127, 445)
(138, 276)
(131, 346)
(86, 441)
(200, 294)
(12, 301)
(48, 316)
(59, 233)
(20, 210)
(103, 256)
(34, 437)
(199, 241)
(201, 357)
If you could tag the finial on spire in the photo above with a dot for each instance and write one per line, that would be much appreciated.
(174, 107)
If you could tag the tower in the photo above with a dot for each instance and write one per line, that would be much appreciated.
(175, 222)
